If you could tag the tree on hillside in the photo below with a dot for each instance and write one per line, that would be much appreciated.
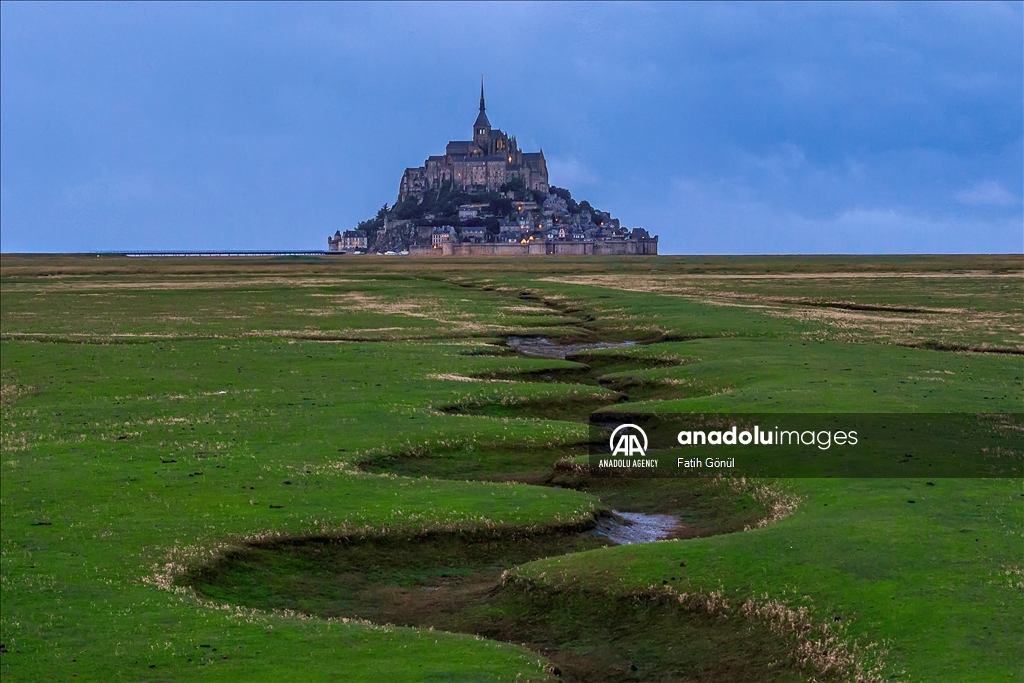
(567, 196)
(585, 206)
(493, 225)
(500, 206)
(408, 208)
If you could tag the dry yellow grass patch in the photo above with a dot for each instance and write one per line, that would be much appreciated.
(11, 391)
(526, 309)
(842, 320)
(69, 285)
(463, 378)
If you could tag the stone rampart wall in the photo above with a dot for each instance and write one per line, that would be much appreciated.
(546, 248)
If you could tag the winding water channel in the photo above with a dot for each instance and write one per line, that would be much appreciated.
(455, 580)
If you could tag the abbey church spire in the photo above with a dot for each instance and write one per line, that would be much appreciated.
(482, 127)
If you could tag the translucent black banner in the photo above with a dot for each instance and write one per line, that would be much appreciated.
(807, 445)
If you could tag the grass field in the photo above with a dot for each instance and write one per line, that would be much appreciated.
(334, 469)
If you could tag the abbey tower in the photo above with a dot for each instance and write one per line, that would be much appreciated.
(482, 164)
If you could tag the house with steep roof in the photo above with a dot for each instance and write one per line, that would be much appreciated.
(443, 235)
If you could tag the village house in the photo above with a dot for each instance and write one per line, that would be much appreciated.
(350, 239)
(474, 233)
(334, 243)
(353, 239)
(443, 235)
(510, 234)
(467, 211)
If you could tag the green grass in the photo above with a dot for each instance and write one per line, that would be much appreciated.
(164, 413)
(769, 375)
(929, 579)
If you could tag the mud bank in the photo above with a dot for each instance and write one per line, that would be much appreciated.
(541, 347)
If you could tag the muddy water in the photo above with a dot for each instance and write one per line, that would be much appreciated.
(628, 528)
(541, 347)
(623, 528)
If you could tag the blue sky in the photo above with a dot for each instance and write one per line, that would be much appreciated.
(725, 128)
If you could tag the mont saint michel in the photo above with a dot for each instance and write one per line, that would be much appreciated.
(485, 196)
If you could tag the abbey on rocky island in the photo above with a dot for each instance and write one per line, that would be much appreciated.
(483, 164)
(485, 196)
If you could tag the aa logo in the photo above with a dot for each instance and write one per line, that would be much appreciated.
(628, 440)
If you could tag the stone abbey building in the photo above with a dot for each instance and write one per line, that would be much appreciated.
(486, 196)
(484, 163)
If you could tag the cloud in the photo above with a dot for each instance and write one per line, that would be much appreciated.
(122, 189)
(116, 189)
(799, 127)
(729, 217)
(570, 172)
(987, 193)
